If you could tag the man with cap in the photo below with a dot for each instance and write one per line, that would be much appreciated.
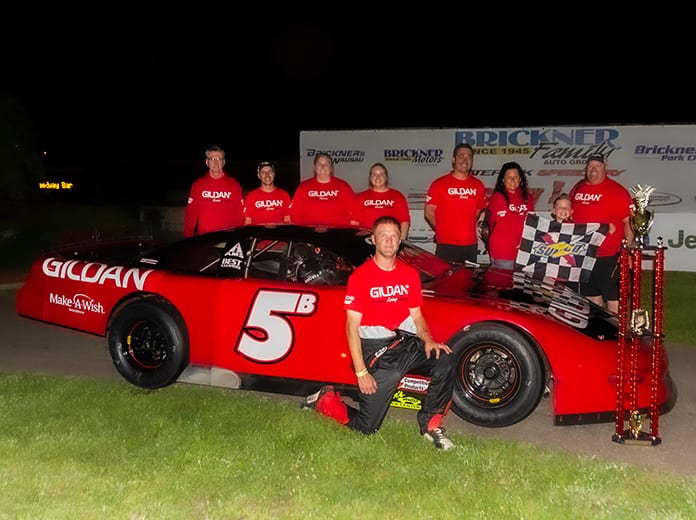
(597, 198)
(267, 204)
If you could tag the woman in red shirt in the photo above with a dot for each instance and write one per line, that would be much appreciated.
(508, 207)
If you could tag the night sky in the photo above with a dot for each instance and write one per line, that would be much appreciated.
(143, 101)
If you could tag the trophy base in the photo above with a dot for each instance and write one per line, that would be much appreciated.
(643, 439)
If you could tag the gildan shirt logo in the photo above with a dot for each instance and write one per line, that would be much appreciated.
(379, 203)
(462, 192)
(322, 194)
(517, 209)
(588, 197)
(216, 194)
(387, 291)
(268, 204)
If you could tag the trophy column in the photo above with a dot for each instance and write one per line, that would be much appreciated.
(635, 328)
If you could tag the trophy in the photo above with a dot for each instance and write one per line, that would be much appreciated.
(639, 325)
(641, 219)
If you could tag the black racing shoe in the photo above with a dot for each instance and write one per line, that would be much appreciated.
(312, 399)
(439, 439)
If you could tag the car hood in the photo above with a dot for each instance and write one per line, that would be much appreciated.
(494, 287)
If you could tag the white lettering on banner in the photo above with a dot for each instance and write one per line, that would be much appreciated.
(90, 272)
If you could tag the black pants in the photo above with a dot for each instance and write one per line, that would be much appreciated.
(460, 254)
(388, 361)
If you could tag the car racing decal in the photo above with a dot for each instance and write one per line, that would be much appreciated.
(78, 303)
(267, 335)
(92, 272)
(233, 258)
(403, 400)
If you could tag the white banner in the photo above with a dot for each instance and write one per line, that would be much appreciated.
(660, 156)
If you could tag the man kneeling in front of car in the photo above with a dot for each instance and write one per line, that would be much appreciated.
(388, 338)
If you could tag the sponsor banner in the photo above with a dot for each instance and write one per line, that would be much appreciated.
(662, 156)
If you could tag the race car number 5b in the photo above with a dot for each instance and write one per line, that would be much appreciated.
(268, 335)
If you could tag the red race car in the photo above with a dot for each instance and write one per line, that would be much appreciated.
(262, 308)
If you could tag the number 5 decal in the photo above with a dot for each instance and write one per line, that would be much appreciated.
(267, 334)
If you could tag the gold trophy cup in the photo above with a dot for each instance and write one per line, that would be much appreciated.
(641, 220)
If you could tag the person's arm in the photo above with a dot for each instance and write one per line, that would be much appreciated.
(191, 213)
(240, 207)
(356, 211)
(404, 230)
(423, 332)
(296, 206)
(430, 215)
(628, 230)
(366, 382)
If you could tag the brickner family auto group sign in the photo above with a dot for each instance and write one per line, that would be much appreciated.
(661, 156)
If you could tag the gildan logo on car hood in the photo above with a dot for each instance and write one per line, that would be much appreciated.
(90, 272)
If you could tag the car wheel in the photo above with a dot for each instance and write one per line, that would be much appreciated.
(148, 343)
(499, 377)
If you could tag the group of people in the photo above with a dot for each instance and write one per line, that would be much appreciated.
(456, 200)
(216, 199)
(389, 337)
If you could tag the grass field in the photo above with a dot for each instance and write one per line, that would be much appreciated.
(74, 448)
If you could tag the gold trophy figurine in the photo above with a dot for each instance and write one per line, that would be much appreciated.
(641, 219)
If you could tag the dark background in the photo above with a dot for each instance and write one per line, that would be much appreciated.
(127, 115)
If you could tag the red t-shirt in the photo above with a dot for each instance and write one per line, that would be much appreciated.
(457, 203)
(507, 223)
(324, 204)
(607, 202)
(383, 297)
(267, 207)
(370, 205)
(213, 204)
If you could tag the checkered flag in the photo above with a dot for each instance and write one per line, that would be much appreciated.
(565, 252)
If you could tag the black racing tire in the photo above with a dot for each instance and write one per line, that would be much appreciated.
(499, 376)
(148, 343)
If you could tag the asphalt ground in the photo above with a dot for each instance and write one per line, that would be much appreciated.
(30, 346)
